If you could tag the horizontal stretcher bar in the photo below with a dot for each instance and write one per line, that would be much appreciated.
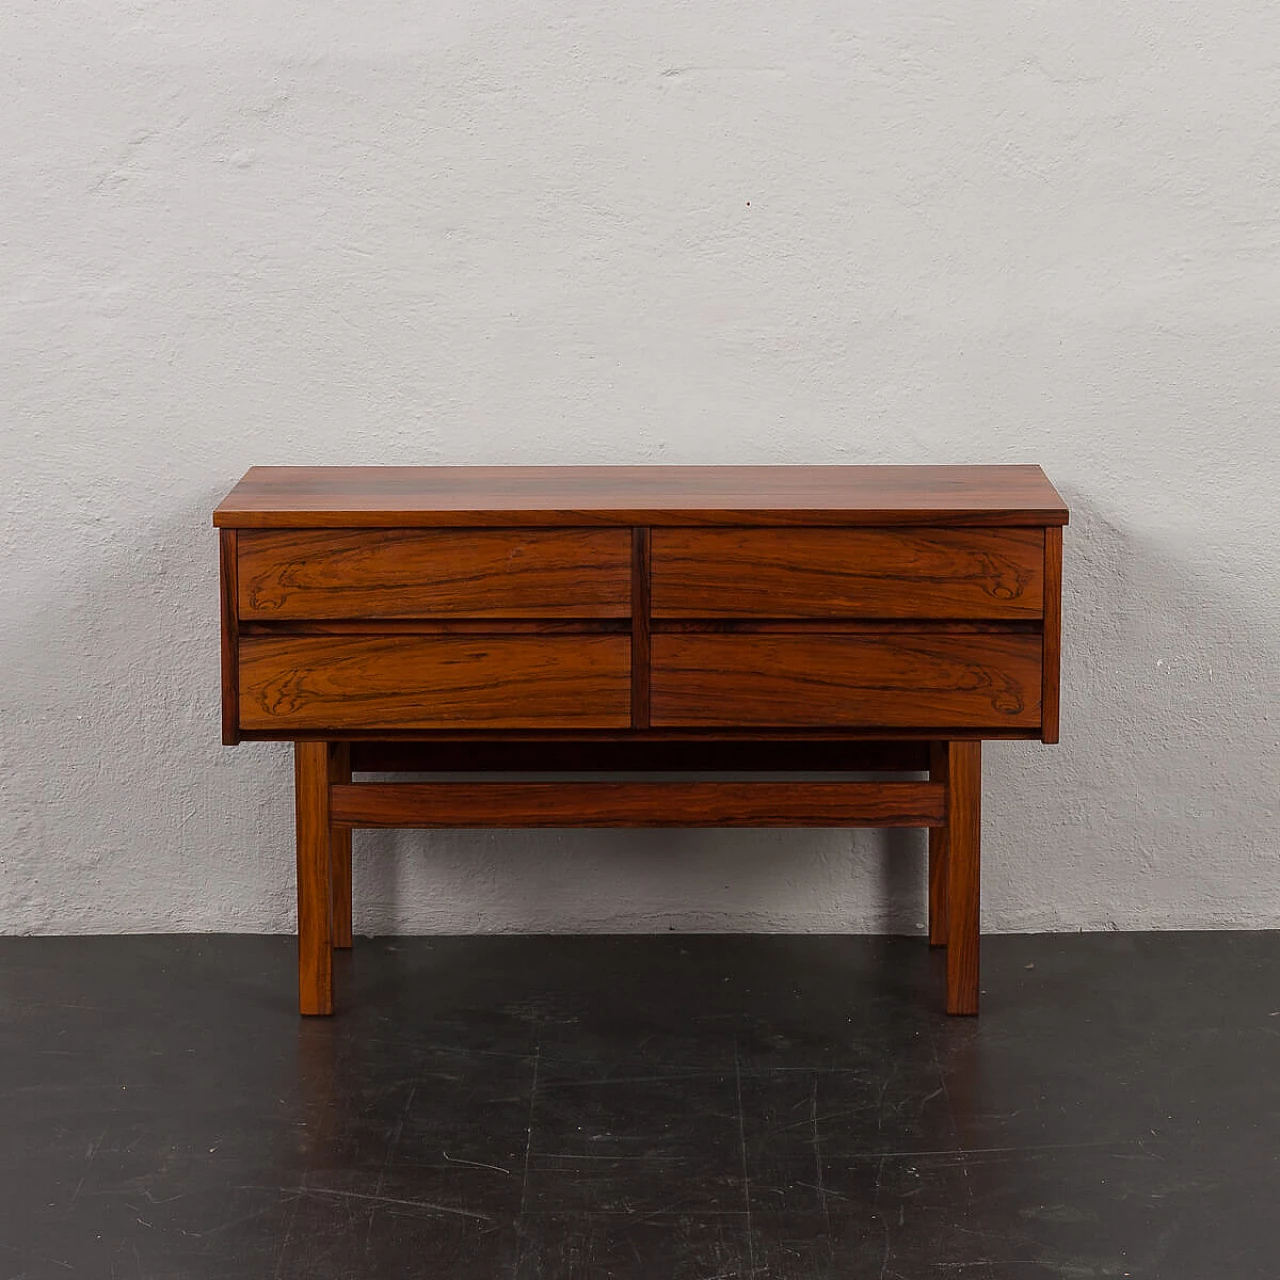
(515, 754)
(638, 804)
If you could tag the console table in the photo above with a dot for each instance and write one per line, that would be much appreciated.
(748, 620)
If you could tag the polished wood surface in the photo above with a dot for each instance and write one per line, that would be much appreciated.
(639, 804)
(227, 559)
(848, 573)
(640, 626)
(650, 737)
(340, 852)
(434, 573)
(963, 783)
(924, 681)
(432, 682)
(315, 936)
(859, 624)
(638, 755)
(406, 497)
(1050, 696)
(938, 772)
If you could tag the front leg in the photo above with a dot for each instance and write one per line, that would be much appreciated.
(964, 846)
(315, 934)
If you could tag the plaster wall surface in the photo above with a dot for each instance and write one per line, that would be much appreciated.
(578, 232)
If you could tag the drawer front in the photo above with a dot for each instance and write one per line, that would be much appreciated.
(848, 573)
(434, 682)
(426, 573)
(899, 681)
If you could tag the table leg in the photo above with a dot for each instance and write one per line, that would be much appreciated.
(964, 839)
(311, 799)
(938, 758)
(340, 852)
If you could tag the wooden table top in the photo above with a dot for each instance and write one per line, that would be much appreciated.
(344, 497)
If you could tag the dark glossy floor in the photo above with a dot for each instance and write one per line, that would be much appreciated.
(683, 1107)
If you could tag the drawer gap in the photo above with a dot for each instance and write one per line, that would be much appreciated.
(438, 626)
(845, 626)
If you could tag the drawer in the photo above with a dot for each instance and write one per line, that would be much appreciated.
(292, 683)
(898, 681)
(426, 573)
(848, 573)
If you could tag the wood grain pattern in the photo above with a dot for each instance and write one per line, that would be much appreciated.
(340, 853)
(848, 573)
(639, 804)
(702, 753)
(433, 682)
(230, 636)
(925, 681)
(335, 497)
(311, 800)
(964, 845)
(653, 737)
(939, 759)
(426, 573)
(1050, 697)
(640, 544)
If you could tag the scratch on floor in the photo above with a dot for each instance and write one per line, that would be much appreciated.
(167, 1200)
(817, 1151)
(742, 1141)
(367, 1197)
(884, 1088)
(288, 1230)
(824, 1191)
(573, 1157)
(475, 1164)
(386, 1161)
(528, 1146)
(674, 1077)
(90, 1156)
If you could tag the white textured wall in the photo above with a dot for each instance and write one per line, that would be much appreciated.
(289, 232)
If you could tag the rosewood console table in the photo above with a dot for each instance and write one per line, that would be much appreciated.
(580, 619)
